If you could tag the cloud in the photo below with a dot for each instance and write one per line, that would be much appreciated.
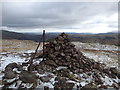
(63, 15)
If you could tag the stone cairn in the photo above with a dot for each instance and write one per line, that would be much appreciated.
(61, 52)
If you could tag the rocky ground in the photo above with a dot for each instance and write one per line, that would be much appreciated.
(14, 67)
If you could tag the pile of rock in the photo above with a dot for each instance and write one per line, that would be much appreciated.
(61, 52)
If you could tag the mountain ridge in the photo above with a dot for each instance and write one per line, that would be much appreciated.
(103, 38)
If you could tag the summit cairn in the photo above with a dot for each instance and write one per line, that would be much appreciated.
(61, 52)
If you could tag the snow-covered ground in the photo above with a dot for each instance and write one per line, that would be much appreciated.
(103, 53)
(95, 46)
(107, 54)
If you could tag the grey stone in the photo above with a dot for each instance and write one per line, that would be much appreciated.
(10, 75)
(27, 77)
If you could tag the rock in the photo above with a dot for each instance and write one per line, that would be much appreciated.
(39, 54)
(70, 85)
(64, 35)
(46, 78)
(67, 57)
(25, 64)
(51, 62)
(89, 87)
(103, 87)
(118, 74)
(114, 72)
(39, 69)
(46, 88)
(6, 83)
(66, 64)
(57, 48)
(106, 71)
(116, 86)
(8, 69)
(43, 67)
(60, 79)
(60, 38)
(20, 68)
(27, 77)
(66, 73)
(51, 55)
(57, 86)
(11, 65)
(62, 54)
(64, 86)
(31, 67)
(10, 75)
(62, 83)
(79, 71)
(98, 81)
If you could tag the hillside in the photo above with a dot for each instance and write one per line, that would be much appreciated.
(108, 38)
(19, 36)
(104, 38)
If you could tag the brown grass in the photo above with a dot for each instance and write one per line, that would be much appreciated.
(18, 45)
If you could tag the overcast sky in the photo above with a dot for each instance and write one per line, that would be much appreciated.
(82, 17)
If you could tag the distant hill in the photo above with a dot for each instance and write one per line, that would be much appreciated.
(103, 38)
(97, 38)
(26, 36)
(19, 36)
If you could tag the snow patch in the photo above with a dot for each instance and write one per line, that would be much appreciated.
(61, 67)
(10, 59)
(83, 83)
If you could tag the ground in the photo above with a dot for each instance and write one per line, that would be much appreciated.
(20, 50)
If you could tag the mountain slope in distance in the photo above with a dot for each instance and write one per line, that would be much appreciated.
(103, 38)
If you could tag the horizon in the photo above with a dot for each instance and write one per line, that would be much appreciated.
(57, 32)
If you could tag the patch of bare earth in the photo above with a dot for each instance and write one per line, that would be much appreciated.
(18, 45)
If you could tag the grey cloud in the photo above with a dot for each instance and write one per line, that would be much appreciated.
(53, 14)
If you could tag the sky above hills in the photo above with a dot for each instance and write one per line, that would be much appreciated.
(81, 17)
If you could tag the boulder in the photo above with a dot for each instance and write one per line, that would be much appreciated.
(10, 75)
(28, 77)
(11, 65)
